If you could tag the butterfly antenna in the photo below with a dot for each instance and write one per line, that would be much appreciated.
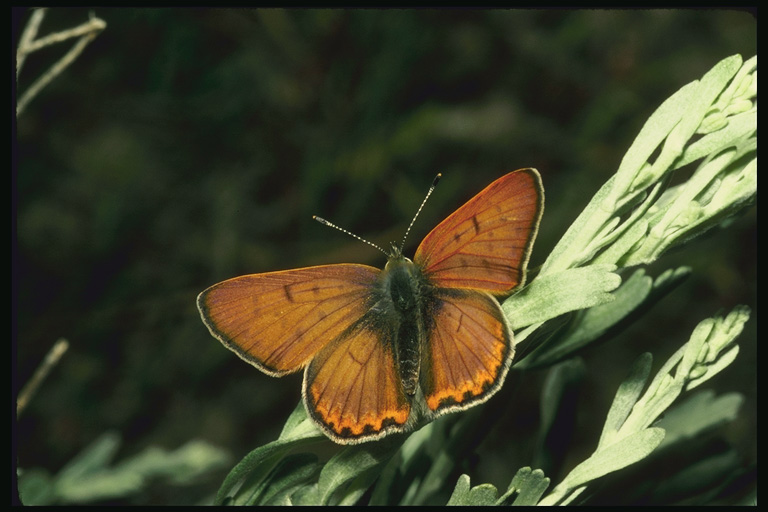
(429, 193)
(332, 225)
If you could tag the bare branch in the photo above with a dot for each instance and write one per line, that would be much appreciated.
(86, 32)
(27, 37)
(53, 357)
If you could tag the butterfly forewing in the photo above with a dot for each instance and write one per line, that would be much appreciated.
(278, 321)
(352, 388)
(468, 351)
(486, 243)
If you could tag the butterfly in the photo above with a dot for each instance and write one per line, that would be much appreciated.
(384, 349)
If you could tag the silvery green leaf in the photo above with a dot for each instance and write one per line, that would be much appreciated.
(555, 294)
(608, 459)
(478, 496)
(626, 397)
(697, 413)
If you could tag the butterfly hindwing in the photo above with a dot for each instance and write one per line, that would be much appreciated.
(486, 243)
(278, 321)
(468, 351)
(352, 388)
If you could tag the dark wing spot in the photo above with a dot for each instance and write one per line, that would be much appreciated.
(476, 224)
(287, 290)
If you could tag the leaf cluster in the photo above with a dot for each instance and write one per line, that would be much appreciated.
(588, 287)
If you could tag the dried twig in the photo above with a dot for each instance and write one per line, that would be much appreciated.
(30, 31)
(53, 356)
(28, 44)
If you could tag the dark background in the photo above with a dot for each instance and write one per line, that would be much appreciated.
(184, 147)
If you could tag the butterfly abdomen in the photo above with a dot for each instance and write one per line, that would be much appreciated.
(401, 281)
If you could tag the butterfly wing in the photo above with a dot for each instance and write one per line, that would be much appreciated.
(468, 352)
(486, 243)
(479, 250)
(278, 321)
(352, 388)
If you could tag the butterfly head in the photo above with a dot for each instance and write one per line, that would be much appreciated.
(395, 252)
(396, 260)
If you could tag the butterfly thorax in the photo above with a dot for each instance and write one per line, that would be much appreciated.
(402, 283)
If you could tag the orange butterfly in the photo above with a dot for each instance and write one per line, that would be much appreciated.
(383, 349)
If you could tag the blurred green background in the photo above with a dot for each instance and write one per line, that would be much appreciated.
(184, 147)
